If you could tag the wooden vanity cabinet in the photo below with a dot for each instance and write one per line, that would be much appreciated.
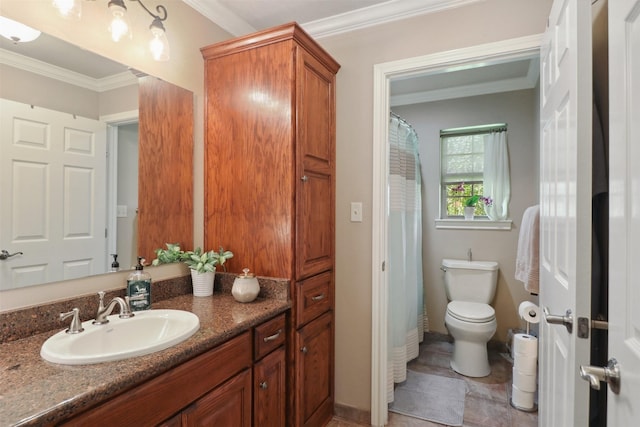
(270, 187)
(222, 387)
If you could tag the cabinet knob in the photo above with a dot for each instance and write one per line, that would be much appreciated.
(263, 385)
(304, 349)
(304, 178)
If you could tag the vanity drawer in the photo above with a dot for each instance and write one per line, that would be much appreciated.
(269, 336)
(314, 296)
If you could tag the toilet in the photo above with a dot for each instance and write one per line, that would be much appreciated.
(471, 321)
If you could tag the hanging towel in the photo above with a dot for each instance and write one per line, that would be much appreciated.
(527, 264)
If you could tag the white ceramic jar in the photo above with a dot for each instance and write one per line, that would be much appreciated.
(245, 287)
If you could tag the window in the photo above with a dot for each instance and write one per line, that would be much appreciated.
(462, 156)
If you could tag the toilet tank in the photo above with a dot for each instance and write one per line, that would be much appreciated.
(474, 281)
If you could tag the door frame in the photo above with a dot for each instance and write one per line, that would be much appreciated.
(383, 73)
(113, 121)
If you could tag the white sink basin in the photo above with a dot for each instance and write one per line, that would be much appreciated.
(146, 332)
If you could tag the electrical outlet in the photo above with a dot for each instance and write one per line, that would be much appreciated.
(356, 211)
(122, 211)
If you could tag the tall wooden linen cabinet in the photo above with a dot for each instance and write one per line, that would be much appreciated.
(270, 189)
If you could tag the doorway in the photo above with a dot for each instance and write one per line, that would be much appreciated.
(383, 74)
(122, 142)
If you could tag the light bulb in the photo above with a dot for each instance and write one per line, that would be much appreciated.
(159, 44)
(119, 26)
(69, 8)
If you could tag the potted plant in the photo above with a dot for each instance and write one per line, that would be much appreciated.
(173, 253)
(471, 202)
(203, 268)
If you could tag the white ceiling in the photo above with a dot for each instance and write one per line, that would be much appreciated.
(320, 18)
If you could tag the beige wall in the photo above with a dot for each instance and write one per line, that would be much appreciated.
(483, 22)
(357, 52)
(517, 109)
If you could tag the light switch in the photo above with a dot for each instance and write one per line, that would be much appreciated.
(122, 211)
(356, 211)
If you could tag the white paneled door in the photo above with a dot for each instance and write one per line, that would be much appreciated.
(565, 209)
(623, 408)
(52, 195)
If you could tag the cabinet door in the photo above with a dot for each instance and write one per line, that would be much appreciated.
(228, 405)
(314, 373)
(269, 386)
(315, 166)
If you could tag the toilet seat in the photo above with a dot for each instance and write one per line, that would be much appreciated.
(472, 312)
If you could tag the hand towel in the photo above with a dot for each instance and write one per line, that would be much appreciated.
(527, 258)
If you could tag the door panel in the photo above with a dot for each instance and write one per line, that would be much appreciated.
(624, 223)
(565, 209)
(53, 177)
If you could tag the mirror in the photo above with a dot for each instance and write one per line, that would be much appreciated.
(65, 216)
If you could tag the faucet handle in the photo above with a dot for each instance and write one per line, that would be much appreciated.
(126, 312)
(76, 325)
(101, 303)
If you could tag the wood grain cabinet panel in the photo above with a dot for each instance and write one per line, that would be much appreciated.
(314, 398)
(270, 182)
(269, 390)
(228, 405)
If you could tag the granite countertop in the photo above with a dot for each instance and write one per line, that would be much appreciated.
(36, 392)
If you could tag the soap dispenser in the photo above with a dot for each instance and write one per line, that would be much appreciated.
(115, 265)
(245, 287)
(139, 283)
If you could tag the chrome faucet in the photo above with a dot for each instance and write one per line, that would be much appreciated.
(104, 311)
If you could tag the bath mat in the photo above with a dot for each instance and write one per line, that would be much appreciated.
(431, 398)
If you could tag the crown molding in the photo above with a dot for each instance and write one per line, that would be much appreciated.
(507, 85)
(382, 13)
(61, 74)
(222, 17)
(389, 11)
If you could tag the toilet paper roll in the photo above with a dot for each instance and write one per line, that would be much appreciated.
(525, 364)
(525, 344)
(525, 382)
(529, 311)
(522, 399)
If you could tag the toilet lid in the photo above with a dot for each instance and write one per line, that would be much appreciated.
(475, 312)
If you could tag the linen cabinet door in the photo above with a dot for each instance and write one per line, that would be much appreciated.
(314, 373)
(315, 166)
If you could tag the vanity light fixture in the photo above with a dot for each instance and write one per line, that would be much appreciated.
(120, 26)
(16, 31)
(69, 8)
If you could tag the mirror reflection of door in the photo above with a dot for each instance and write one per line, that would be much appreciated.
(53, 178)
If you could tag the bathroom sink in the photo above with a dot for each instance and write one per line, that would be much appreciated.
(146, 332)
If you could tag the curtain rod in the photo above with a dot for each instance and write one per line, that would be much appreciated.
(403, 121)
(470, 130)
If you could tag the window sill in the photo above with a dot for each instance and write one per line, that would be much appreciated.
(474, 224)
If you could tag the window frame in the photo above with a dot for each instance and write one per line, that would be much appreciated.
(444, 184)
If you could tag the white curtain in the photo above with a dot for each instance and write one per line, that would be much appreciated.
(406, 317)
(496, 175)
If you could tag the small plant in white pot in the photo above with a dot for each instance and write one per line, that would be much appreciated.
(203, 268)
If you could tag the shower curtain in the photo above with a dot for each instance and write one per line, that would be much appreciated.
(406, 317)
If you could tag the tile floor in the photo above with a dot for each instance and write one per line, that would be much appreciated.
(486, 401)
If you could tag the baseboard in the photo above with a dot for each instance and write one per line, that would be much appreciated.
(349, 413)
